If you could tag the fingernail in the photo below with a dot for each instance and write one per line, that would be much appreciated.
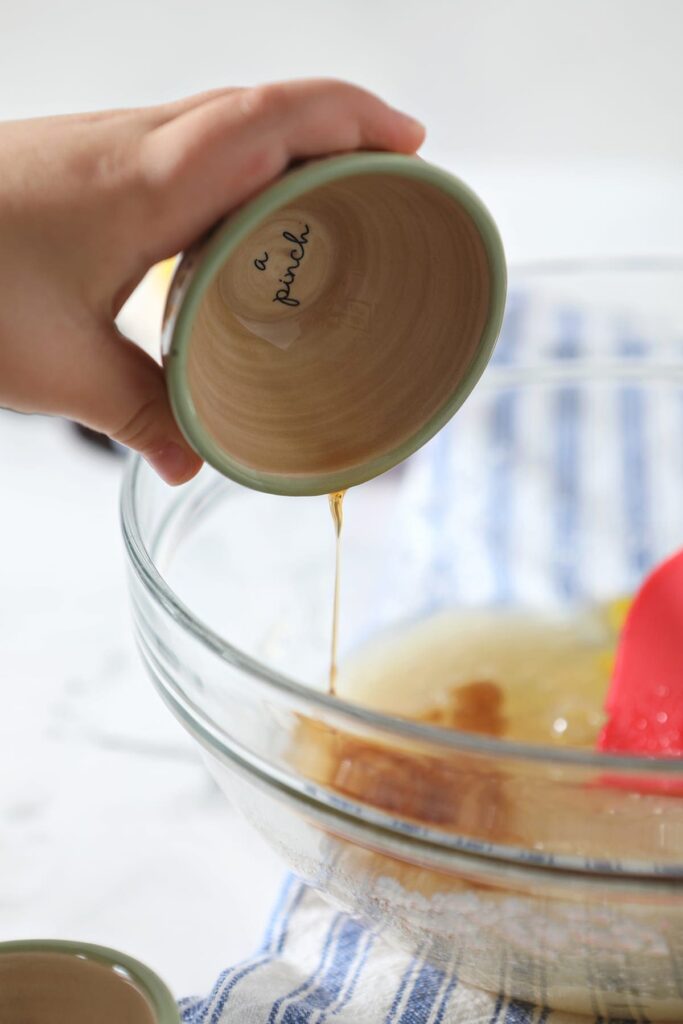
(174, 464)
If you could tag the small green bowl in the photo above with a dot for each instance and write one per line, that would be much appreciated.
(155, 993)
(405, 182)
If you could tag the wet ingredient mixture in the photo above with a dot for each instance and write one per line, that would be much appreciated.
(521, 677)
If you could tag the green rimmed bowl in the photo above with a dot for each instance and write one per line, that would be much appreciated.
(331, 326)
(64, 979)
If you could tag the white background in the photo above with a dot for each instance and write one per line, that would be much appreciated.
(565, 117)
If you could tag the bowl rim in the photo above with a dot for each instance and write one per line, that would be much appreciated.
(339, 814)
(322, 704)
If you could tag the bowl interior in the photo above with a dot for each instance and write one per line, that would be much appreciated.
(62, 982)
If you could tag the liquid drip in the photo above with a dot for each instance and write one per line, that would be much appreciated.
(336, 500)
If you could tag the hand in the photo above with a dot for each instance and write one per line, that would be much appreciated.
(88, 203)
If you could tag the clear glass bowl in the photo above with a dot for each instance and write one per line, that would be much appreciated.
(549, 873)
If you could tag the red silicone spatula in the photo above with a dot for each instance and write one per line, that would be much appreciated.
(645, 698)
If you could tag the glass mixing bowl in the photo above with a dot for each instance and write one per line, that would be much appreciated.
(550, 873)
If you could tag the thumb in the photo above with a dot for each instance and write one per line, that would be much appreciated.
(120, 391)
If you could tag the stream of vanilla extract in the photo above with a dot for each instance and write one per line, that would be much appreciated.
(336, 500)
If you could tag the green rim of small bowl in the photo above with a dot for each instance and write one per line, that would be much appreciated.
(236, 228)
(145, 980)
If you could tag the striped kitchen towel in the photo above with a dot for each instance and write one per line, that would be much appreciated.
(541, 491)
(560, 481)
(318, 965)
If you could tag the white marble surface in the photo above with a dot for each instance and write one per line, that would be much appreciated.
(110, 828)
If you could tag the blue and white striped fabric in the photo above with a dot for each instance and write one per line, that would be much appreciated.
(319, 966)
(551, 492)
(541, 495)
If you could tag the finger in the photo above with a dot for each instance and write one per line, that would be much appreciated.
(211, 158)
(120, 391)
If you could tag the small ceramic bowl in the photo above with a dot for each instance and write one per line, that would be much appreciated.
(332, 325)
(62, 982)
